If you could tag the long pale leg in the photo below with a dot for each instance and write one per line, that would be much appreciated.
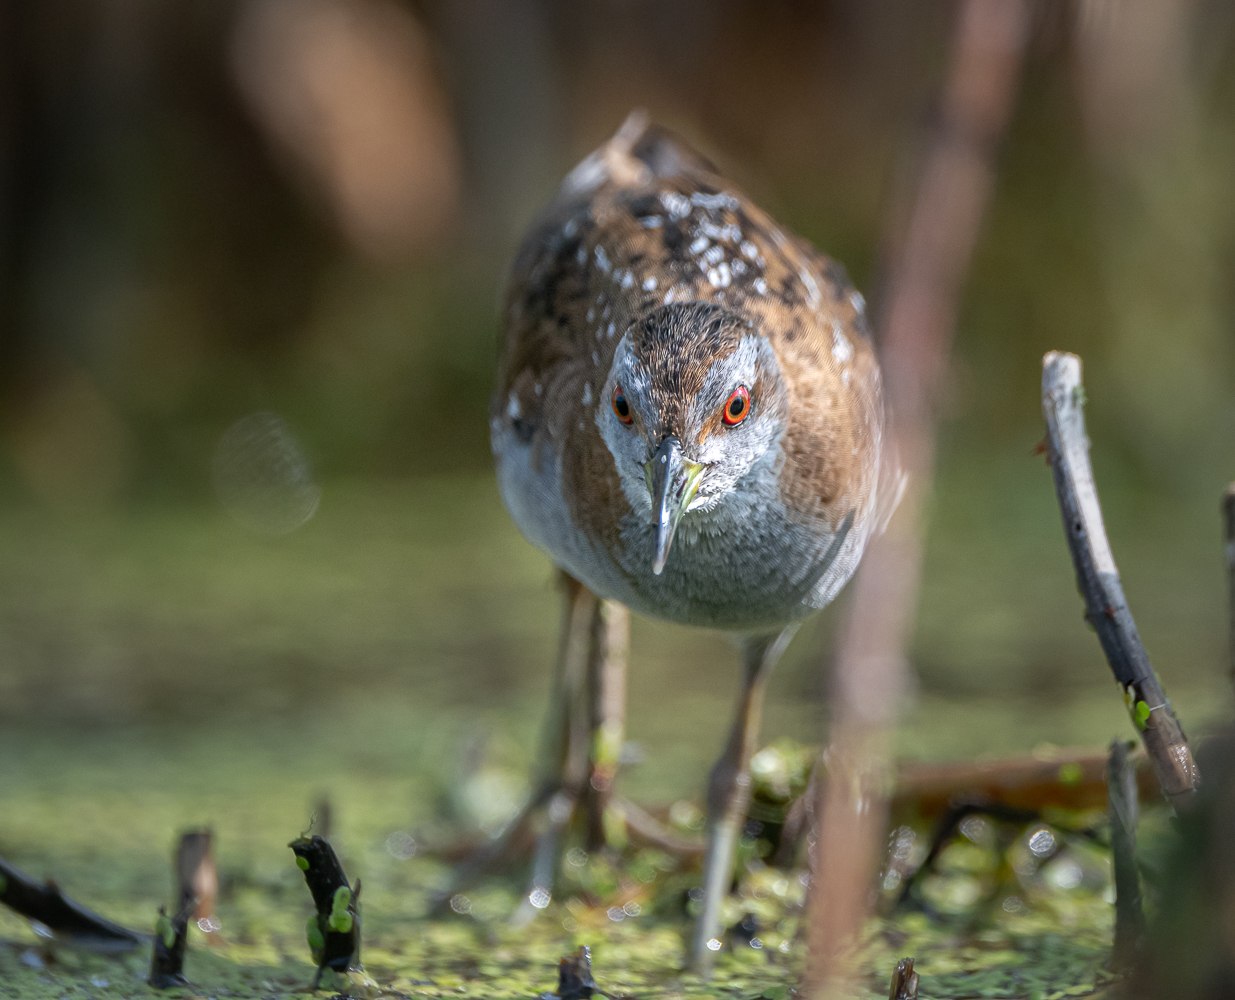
(729, 794)
(579, 751)
(562, 739)
(564, 753)
(563, 732)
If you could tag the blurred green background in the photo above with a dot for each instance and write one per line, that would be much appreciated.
(250, 260)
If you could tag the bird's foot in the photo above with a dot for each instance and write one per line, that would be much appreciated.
(538, 836)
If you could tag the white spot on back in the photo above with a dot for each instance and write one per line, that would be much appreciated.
(718, 200)
(842, 349)
(728, 231)
(677, 205)
(812, 289)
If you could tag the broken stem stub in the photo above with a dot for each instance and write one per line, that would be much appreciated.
(334, 929)
(1106, 608)
(171, 936)
(904, 985)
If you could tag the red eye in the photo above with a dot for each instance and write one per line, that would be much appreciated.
(737, 406)
(621, 408)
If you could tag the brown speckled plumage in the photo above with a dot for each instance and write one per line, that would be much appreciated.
(645, 223)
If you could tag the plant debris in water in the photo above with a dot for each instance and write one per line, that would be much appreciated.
(58, 917)
(334, 930)
(171, 936)
(574, 977)
(904, 981)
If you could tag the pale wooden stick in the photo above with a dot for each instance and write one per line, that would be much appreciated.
(916, 322)
(1097, 578)
(197, 877)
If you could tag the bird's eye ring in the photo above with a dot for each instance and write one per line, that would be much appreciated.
(737, 406)
(621, 408)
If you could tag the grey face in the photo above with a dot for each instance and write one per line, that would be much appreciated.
(690, 406)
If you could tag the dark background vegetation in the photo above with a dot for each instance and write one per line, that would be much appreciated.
(303, 208)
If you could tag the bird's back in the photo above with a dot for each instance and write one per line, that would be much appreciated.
(642, 223)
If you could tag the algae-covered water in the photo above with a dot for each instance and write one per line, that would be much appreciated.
(165, 667)
(185, 244)
(102, 820)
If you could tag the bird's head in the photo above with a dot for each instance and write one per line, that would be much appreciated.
(693, 400)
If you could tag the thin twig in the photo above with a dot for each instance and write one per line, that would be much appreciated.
(1097, 578)
(1228, 508)
(645, 829)
(1129, 915)
(915, 324)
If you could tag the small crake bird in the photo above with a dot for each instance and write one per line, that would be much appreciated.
(688, 420)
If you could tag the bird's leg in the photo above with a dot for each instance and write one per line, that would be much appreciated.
(580, 748)
(560, 739)
(565, 749)
(606, 689)
(562, 760)
(729, 794)
(585, 733)
(609, 820)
